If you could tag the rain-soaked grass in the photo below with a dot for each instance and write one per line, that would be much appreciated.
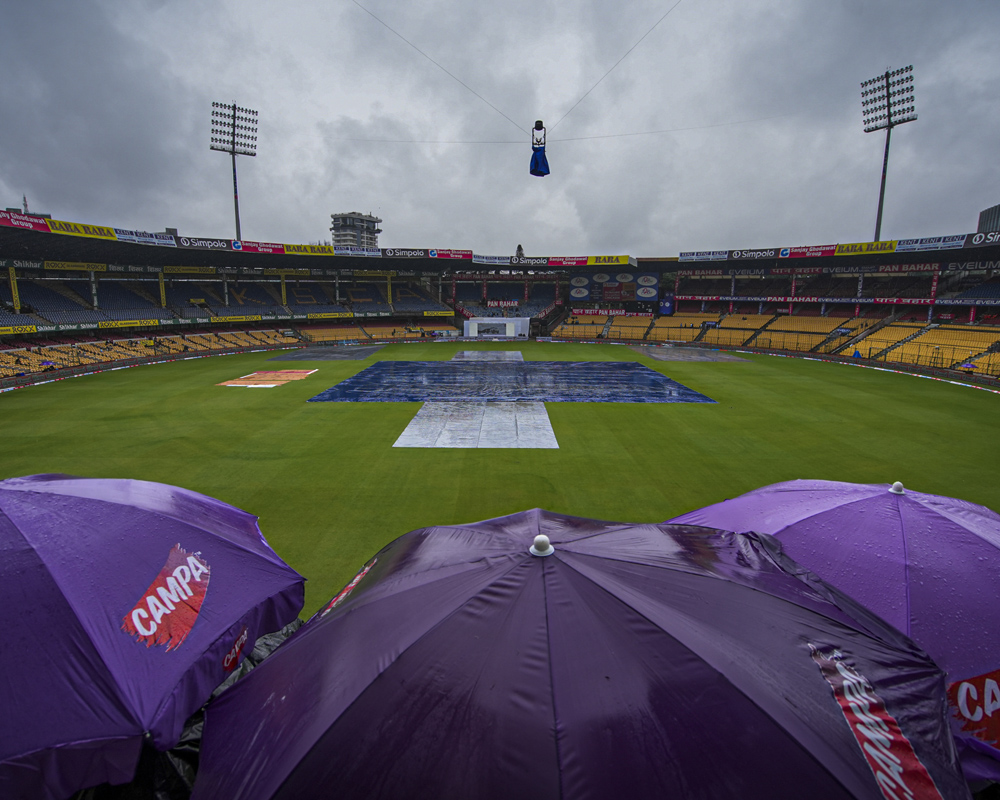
(330, 490)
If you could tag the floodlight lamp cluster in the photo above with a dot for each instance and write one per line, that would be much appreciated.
(234, 129)
(887, 101)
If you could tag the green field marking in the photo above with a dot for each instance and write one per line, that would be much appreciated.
(330, 490)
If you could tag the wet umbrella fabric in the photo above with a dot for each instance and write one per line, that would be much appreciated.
(925, 563)
(126, 603)
(634, 661)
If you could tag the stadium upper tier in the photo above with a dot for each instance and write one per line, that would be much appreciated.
(31, 237)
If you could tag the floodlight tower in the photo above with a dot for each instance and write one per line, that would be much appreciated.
(887, 101)
(234, 131)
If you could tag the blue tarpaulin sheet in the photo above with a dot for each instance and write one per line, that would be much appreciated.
(543, 381)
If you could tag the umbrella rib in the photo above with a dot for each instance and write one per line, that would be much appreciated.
(906, 565)
(457, 609)
(725, 677)
(552, 679)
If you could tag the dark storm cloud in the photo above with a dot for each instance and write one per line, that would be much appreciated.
(106, 109)
(88, 130)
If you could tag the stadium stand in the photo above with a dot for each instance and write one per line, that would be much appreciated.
(808, 324)
(179, 298)
(589, 326)
(876, 343)
(946, 346)
(680, 327)
(312, 298)
(365, 298)
(9, 318)
(121, 303)
(332, 333)
(245, 299)
(745, 322)
(413, 299)
(988, 364)
(541, 296)
(56, 303)
(725, 337)
(629, 328)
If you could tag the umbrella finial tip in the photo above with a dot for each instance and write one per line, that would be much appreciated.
(897, 488)
(541, 546)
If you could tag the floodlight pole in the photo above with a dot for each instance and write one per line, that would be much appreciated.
(234, 131)
(236, 196)
(881, 191)
(879, 100)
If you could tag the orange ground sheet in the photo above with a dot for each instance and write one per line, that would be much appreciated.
(268, 379)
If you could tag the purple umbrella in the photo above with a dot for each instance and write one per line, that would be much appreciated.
(925, 563)
(127, 603)
(540, 656)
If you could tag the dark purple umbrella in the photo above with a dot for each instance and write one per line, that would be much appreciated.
(927, 564)
(542, 656)
(127, 603)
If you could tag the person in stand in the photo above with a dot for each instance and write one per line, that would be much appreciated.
(539, 163)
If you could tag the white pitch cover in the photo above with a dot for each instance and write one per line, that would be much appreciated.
(480, 424)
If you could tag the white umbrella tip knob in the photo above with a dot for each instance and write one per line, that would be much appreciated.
(897, 488)
(541, 546)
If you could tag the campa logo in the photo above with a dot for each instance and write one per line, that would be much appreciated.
(894, 763)
(232, 659)
(167, 611)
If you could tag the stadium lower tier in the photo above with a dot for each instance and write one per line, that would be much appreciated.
(968, 348)
(26, 358)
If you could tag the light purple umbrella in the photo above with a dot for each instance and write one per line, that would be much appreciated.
(929, 565)
(546, 656)
(127, 603)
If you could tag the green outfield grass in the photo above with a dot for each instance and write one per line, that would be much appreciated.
(330, 490)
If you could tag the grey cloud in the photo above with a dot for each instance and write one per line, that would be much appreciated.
(107, 107)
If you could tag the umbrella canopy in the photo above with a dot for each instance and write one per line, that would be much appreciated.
(541, 656)
(925, 563)
(127, 603)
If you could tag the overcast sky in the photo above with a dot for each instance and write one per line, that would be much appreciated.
(105, 108)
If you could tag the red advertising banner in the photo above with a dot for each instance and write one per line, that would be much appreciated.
(812, 251)
(903, 301)
(259, 247)
(450, 254)
(12, 219)
(567, 261)
(796, 271)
